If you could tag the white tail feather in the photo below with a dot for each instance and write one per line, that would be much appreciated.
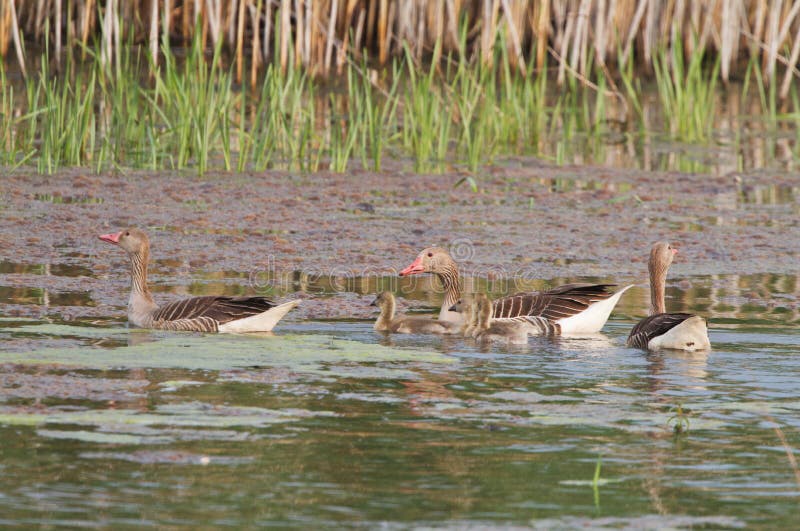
(262, 322)
(592, 319)
(690, 335)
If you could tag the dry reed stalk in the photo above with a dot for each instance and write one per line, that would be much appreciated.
(402, 23)
(772, 39)
(488, 28)
(154, 31)
(637, 19)
(677, 21)
(758, 27)
(728, 37)
(86, 14)
(117, 33)
(562, 53)
(39, 19)
(214, 15)
(581, 29)
(309, 19)
(255, 62)
(340, 61)
(108, 27)
(240, 40)
(383, 45)
(5, 27)
(791, 71)
(168, 19)
(511, 17)
(650, 34)
(228, 17)
(299, 41)
(57, 28)
(436, 15)
(362, 15)
(451, 20)
(600, 33)
(542, 33)
(330, 36)
(285, 28)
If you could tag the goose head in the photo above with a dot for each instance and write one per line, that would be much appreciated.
(463, 305)
(385, 301)
(134, 241)
(430, 260)
(661, 256)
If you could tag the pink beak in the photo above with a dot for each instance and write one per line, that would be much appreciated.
(111, 238)
(674, 251)
(415, 267)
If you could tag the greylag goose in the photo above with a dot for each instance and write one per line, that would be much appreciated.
(567, 309)
(679, 331)
(487, 328)
(467, 306)
(387, 322)
(195, 314)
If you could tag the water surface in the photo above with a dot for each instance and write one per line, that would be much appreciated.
(328, 423)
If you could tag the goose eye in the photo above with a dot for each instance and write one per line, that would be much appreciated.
(430, 255)
(127, 233)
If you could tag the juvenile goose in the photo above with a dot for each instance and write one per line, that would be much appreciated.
(197, 314)
(489, 329)
(467, 306)
(680, 331)
(387, 322)
(567, 309)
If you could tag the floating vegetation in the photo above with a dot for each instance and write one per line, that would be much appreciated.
(315, 354)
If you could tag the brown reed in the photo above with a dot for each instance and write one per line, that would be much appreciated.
(320, 35)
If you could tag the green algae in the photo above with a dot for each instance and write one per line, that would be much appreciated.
(189, 414)
(174, 385)
(63, 330)
(101, 438)
(320, 354)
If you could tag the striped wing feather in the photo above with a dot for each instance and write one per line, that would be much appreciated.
(198, 313)
(654, 326)
(552, 305)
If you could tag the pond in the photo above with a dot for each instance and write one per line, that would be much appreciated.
(326, 423)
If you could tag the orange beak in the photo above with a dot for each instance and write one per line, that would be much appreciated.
(111, 238)
(415, 267)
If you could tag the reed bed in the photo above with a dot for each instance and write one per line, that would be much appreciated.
(322, 35)
(445, 84)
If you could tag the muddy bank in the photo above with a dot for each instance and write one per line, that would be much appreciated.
(526, 218)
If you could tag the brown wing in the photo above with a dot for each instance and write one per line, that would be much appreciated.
(654, 326)
(557, 303)
(219, 309)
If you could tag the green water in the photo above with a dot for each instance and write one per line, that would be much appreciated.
(328, 423)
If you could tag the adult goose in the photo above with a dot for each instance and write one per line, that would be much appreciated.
(661, 330)
(567, 309)
(197, 314)
(387, 322)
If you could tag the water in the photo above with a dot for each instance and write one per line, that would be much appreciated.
(326, 423)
